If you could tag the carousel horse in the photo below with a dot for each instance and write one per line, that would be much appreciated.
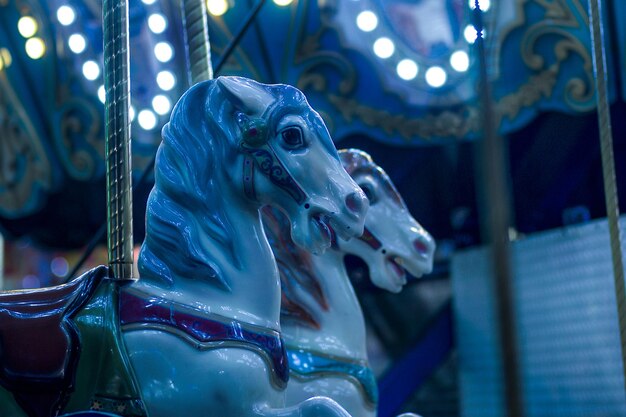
(199, 333)
(321, 318)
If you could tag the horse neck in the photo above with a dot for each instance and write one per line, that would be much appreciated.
(342, 327)
(248, 268)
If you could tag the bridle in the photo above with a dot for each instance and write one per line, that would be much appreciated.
(258, 152)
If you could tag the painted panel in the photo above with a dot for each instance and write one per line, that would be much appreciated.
(566, 325)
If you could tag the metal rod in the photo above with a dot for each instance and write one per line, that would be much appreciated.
(242, 31)
(197, 46)
(496, 221)
(99, 235)
(1, 262)
(117, 136)
(608, 166)
(267, 62)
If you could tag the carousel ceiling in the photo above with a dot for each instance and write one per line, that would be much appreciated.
(387, 75)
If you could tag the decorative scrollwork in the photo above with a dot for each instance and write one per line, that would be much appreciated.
(558, 24)
(25, 170)
(271, 166)
(539, 86)
(445, 124)
(562, 20)
(311, 54)
(80, 138)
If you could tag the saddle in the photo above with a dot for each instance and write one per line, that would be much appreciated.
(39, 343)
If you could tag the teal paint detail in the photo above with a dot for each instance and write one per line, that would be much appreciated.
(308, 365)
(104, 378)
(617, 10)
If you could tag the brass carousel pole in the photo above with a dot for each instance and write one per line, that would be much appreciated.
(117, 136)
(608, 166)
(202, 71)
(197, 46)
(496, 220)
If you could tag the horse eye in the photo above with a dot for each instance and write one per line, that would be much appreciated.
(292, 137)
(369, 192)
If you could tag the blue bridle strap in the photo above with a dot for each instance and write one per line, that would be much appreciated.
(248, 177)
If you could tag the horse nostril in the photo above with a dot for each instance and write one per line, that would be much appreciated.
(354, 202)
(420, 246)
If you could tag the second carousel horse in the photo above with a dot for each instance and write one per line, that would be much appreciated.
(322, 321)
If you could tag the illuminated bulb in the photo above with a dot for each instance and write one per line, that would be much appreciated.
(459, 61)
(407, 69)
(5, 55)
(470, 34)
(484, 4)
(367, 21)
(157, 23)
(147, 120)
(217, 7)
(66, 15)
(30, 281)
(148, 2)
(163, 51)
(436, 76)
(59, 266)
(91, 70)
(27, 26)
(283, 2)
(161, 104)
(384, 47)
(166, 80)
(1, 64)
(101, 94)
(77, 43)
(35, 48)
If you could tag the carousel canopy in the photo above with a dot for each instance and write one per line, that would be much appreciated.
(395, 78)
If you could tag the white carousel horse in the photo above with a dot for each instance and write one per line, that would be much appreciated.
(201, 326)
(321, 318)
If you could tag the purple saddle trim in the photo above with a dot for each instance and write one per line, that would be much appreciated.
(39, 343)
(137, 310)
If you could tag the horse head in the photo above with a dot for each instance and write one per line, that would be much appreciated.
(286, 159)
(235, 144)
(393, 241)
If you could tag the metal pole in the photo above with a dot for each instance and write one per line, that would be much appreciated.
(608, 166)
(197, 46)
(99, 235)
(117, 135)
(496, 221)
(1, 262)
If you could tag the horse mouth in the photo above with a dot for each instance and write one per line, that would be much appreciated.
(322, 234)
(395, 268)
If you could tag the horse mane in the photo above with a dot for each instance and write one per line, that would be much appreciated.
(295, 267)
(185, 203)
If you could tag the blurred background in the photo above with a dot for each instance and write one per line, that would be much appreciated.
(398, 79)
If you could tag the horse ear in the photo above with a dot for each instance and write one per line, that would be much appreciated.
(246, 95)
